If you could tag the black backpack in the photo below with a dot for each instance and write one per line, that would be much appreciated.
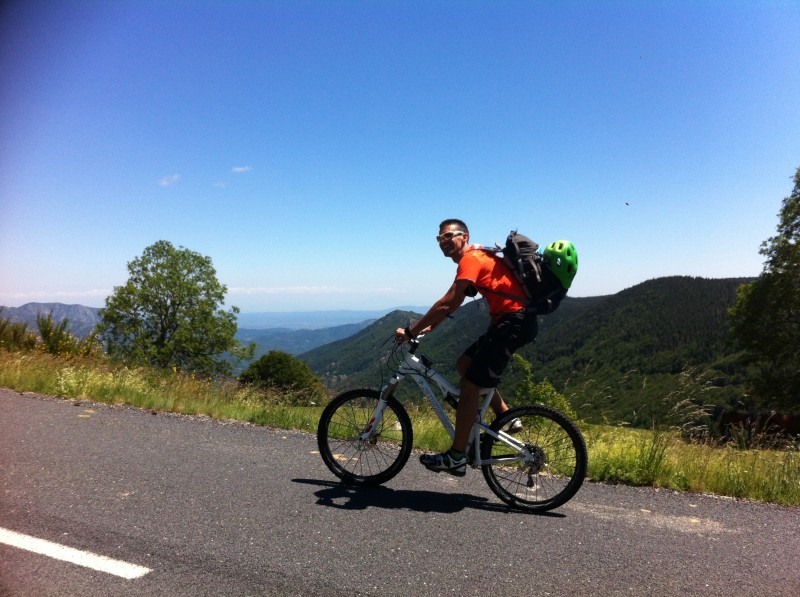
(543, 290)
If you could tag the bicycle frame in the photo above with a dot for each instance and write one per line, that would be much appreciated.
(532, 456)
(421, 371)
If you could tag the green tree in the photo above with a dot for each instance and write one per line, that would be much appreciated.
(766, 317)
(280, 369)
(169, 314)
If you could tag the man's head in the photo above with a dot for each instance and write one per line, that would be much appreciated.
(453, 238)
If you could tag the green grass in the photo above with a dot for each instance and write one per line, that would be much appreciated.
(664, 459)
(98, 380)
(657, 457)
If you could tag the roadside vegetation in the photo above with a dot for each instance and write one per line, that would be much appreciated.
(676, 455)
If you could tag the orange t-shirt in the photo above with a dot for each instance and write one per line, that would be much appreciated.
(490, 275)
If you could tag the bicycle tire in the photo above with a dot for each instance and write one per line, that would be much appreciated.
(554, 473)
(353, 460)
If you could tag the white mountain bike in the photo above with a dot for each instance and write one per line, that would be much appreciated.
(365, 438)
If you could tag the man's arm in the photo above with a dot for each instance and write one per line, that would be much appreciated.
(445, 306)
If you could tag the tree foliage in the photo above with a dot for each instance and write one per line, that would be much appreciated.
(766, 316)
(169, 314)
(282, 370)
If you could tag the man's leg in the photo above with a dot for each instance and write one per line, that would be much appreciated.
(466, 414)
(454, 461)
(498, 405)
(494, 349)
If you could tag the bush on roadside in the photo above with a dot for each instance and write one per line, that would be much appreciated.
(15, 336)
(57, 340)
(278, 370)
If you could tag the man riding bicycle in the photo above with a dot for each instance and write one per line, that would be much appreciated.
(483, 362)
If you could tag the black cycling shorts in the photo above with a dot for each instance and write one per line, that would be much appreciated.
(491, 352)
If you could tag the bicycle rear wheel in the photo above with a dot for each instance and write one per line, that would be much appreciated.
(555, 468)
(360, 461)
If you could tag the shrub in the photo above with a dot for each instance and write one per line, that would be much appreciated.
(57, 340)
(281, 370)
(15, 336)
(543, 392)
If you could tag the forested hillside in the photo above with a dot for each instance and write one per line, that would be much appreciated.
(621, 358)
(664, 336)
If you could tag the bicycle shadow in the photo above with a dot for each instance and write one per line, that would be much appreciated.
(349, 497)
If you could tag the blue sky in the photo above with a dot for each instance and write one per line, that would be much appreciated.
(311, 148)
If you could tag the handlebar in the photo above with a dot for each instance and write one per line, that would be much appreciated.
(412, 342)
(395, 360)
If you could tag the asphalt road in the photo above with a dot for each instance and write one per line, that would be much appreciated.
(220, 508)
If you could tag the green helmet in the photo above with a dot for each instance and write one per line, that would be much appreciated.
(563, 260)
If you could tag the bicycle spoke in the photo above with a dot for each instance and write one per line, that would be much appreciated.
(350, 454)
(550, 469)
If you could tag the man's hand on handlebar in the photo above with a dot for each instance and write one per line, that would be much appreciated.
(402, 335)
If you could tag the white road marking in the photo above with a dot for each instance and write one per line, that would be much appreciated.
(75, 556)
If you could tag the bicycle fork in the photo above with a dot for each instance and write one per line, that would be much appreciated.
(370, 430)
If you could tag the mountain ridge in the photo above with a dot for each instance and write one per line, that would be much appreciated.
(619, 357)
(622, 357)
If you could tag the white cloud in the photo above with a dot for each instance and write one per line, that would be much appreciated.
(168, 181)
(241, 169)
(220, 184)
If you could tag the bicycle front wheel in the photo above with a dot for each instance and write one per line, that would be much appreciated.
(352, 457)
(546, 467)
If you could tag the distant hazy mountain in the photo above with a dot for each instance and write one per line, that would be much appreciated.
(297, 341)
(82, 320)
(292, 332)
(310, 319)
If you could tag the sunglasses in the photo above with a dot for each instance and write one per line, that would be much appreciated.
(448, 236)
